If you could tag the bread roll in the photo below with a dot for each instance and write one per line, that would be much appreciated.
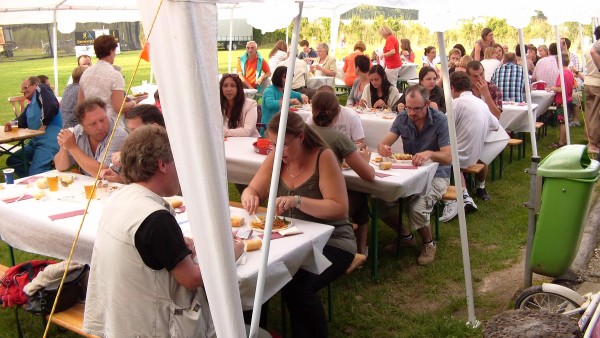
(252, 244)
(176, 203)
(41, 183)
(237, 221)
(378, 159)
(39, 194)
(385, 165)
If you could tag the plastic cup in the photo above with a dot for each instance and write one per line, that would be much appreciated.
(9, 175)
(52, 182)
(262, 142)
(89, 188)
(14, 125)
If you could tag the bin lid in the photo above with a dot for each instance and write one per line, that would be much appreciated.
(570, 161)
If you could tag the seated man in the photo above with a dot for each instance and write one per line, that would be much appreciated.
(424, 133)
(141, 115)
(472, 118)
(86, 143)
(139, 238)
(509, 78)
(252, 68)
(42, 113)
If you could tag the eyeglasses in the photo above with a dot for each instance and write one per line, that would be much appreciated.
(415, 109)
(25, 88)
(230, 75)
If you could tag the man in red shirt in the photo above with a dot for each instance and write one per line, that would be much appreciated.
(252, 68)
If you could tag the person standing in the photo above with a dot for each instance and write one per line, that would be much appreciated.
(69, 98)
(487, 40)
(103, 81)
(592, 95)
(391, 54)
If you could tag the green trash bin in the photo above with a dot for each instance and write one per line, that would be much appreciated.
(569, 177)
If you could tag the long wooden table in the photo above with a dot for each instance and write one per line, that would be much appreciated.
(19, 136)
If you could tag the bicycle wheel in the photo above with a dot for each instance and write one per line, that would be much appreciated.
(535, 298)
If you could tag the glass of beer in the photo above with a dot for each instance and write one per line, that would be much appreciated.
(89, 189)
(52, 182)
(14, 125)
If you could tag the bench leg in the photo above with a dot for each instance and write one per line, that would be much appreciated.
(374, 238)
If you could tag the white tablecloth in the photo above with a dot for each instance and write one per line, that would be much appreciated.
(243, 163)
(543, 99)
(514, 116)
(317, 81)
(25, 225)
(146, 88)
(375, 126)
(408, 71)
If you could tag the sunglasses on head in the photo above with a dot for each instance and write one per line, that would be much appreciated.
(230, 75)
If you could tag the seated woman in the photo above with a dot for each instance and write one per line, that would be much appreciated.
(311, 188)
(278, 54)
(407, 53)
(273, 95)
(349, 64)
(379, 93)
(490, 63)
(429, 57)
(362, 64)
(325, 111)
(239, 112)
(427, 79)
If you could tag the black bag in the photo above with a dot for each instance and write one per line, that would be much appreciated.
(74, 288)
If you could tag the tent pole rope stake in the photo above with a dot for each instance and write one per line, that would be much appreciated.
(49, 322)
(464, 241)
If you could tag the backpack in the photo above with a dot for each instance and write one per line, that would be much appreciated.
(15, 278)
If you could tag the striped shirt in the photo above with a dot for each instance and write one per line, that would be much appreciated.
(509, 78)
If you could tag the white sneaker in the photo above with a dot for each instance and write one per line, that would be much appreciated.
(450, 211)
(470, 205)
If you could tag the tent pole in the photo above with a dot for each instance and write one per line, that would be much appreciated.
(582, 47)
(262, 271)
(535, 159)
(230, 42)
(464, 241)
(562, 84)
(55, 51)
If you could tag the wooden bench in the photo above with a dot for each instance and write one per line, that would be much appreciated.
(518, 143)
(72, 319)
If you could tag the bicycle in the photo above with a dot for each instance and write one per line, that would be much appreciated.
(560, 299)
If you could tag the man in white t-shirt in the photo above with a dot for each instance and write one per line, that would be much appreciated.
(300, 81)
(347, 123)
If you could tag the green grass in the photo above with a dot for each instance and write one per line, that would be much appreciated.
(407, 300)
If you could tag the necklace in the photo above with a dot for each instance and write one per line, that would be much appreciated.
(287, 168)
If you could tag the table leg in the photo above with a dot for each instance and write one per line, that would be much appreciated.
(25, 164)
(11, 255)
(374, 238)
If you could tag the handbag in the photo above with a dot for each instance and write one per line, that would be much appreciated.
(74, 288)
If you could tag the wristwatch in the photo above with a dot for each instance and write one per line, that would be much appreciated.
(298, 201)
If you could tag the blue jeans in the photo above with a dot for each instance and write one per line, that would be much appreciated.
(38, 156)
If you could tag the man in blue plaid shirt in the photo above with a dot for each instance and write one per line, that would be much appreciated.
(509, 78)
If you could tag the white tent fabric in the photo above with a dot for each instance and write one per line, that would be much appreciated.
(196, 137)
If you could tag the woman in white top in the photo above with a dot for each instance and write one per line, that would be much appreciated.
(239, 112)
(379, 93)
(490, 63)
(429, 57)
(278, 54)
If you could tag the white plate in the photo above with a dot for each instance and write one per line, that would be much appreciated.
(289, 225)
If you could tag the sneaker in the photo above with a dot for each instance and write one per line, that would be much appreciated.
(359, 260)
(427, 254)
(450, 211)
(404, 243)
(481, 193)
(470, 205)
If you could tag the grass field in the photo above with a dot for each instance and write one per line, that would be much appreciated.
(407, 300)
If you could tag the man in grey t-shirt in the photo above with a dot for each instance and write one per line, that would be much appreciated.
(86, 143)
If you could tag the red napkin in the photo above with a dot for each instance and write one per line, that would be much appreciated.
(398, 166)
(522, 104)
(20, 198)
(274, 235)
(67, 214)
(30, 179)
(382, 175)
